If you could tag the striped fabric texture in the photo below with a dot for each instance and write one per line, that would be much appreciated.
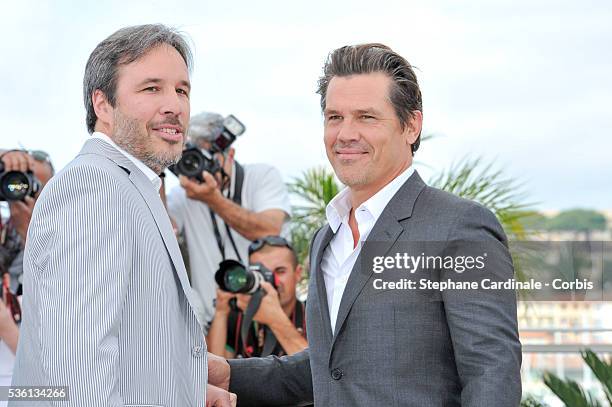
(107, 303)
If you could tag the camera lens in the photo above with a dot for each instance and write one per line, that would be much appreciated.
(191, 164)
(236, 278)
(15, 186)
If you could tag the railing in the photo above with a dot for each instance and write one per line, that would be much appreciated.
(566, 347)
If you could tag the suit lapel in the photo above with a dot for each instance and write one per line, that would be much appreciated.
(153, 202)
(318, 248)
(383, 235)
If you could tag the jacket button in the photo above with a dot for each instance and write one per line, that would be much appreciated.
(196, 351)
(336, 374)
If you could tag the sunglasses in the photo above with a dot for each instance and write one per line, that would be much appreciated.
(39, 155)
(276, 241)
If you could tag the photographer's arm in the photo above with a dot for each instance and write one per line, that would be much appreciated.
(288, 336)
(271, 313)
(251, 225)
(217, 334)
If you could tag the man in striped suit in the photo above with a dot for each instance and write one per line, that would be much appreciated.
(107, 303)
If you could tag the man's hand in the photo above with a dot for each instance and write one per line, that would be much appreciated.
(269, 310)
(217, 397)
(21, 214)
(222, 302)
(218, 371)
(17, 161)
(206, 191)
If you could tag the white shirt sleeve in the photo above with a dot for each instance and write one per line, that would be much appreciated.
(266, 189)
(176, 201)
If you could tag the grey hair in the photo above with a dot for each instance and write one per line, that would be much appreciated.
(205, 126)
(123, 47)
(405, 94)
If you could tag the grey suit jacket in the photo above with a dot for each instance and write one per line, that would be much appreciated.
(402, 347)
(106, 303)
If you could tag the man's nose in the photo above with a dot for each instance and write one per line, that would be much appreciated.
(172, 103)
(348, 131)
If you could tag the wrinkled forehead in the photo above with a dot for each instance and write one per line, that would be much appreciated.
(162, 63)
(273, 257)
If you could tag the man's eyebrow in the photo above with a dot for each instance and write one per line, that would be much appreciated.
(158, 81)
(330, 111)
(186, 84)
(369, 110)
(149, 80)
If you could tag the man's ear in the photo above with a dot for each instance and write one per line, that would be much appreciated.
(231, 152)
(413, 127)
(298, 272)
(102, 108)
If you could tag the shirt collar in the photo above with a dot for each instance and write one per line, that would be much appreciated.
(338, 209)
(148, 172)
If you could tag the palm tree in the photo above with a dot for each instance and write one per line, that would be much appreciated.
(314, 189)
(570, 392)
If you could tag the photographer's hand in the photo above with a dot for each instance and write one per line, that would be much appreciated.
(222, 302)
(270, 313)
(270, 310)
(21, 214)
(17, 161)
(217, 334)
(207, 191)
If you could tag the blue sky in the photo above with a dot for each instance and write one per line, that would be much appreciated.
(524, 84)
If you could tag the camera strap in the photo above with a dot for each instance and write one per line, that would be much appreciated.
(236, 198)
(247, 320)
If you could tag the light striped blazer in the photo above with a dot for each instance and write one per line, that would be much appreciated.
(107, 303)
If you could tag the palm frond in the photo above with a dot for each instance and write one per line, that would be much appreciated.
(570, 393)
(602, 369)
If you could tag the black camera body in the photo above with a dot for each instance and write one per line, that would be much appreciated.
(16, 185)
(234, 277)
(195, 160)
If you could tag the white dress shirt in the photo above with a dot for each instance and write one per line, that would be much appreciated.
(339, 257)
(150, 174)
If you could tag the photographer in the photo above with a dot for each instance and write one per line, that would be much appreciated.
(279, 309)
(35, 166)
(220, 214)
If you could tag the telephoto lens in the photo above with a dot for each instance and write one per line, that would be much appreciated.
(234, 277)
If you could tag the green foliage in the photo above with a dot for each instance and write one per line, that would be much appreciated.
(572, 394)
(531, 402)
(315, 188)
(579, 220)
(569, 392)
(602, 370)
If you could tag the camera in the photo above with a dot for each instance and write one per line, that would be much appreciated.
(195, 160)
(16, 185)
(234, 277)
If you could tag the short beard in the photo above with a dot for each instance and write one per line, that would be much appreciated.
(353, 180)
(128, 136)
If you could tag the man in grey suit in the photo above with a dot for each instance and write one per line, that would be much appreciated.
(107, 304)
(372, 344)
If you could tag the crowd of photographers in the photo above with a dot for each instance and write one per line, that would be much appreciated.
(231, 221)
